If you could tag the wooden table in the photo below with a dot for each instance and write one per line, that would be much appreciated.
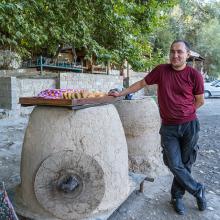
(69, 103)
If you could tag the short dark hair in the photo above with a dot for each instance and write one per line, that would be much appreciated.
(182, 41)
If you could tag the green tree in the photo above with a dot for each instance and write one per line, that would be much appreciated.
(196, 22)
(209, 45)
(115, 30)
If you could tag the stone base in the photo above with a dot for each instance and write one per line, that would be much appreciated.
(88, 145)
(134, 184)
(152, 167)
(141, 121)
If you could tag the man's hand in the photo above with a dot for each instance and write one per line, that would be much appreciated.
(114, 92)
(199, 100)
(131, 89)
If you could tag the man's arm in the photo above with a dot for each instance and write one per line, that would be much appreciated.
(131, 89)
(199, 100)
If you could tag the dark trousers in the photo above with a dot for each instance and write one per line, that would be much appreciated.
(179, 144)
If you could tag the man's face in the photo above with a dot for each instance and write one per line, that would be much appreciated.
(178, 55)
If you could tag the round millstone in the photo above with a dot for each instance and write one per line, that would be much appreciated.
(78, 171)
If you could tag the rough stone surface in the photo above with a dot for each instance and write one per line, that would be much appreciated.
(88, 189)
(141, 122)
(95, 81)
(11, 88)
(9, 60)
(8, 95)
(19, 72)
(94, 133)
(89, 81)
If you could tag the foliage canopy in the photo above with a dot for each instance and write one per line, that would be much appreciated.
(198, 23)
(111, 29)
(139, 31)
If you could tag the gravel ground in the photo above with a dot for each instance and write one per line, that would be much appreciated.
(154, 202)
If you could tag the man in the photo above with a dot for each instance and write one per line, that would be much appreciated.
(180, 93)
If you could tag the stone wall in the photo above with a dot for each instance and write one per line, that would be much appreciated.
(11, 88)
(95, 81)
(90, 81)
(31, 87)
(19, 72)
(8, 93)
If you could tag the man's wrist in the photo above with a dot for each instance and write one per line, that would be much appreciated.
(122, 93)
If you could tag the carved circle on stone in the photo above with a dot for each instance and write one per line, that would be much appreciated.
(78, 170)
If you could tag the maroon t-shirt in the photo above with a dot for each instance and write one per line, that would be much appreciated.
(176, 92)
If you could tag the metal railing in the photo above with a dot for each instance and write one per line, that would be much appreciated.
(48, 63)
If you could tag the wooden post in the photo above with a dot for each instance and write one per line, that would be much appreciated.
(141, 190)
(142, 183)
(81, 61)
(92, 68)
(108, 67)
(41, 65)
(128, 70)
(128, 74)
(194, 63)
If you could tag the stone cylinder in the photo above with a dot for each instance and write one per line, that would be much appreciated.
(74, 164)
(141, 121)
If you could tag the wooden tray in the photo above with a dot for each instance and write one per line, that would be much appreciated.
(71, 103)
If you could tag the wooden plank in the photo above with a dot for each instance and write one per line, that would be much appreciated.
(97, 100)
(42, 101)
(28, 101)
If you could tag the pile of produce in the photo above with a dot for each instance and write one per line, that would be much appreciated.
(69, 94)
(52, 93)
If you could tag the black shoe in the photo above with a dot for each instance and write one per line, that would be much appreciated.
(201, 200)
(178, 205)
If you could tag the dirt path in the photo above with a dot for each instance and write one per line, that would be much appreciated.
(11, 138)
